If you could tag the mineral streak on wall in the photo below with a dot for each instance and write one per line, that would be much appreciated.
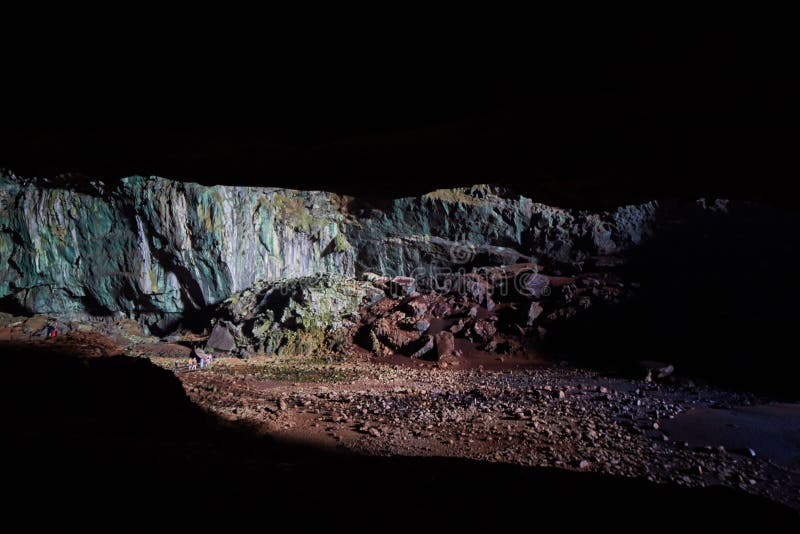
(155, 249)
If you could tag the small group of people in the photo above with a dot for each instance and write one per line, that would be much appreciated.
(200, 358)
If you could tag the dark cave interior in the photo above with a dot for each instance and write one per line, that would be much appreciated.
(108, 436)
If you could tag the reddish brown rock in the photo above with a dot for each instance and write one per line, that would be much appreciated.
(534, 312)
(389, 331)
(457, 327)
(474, 287)
(425, 348)
(422, 326)
(441, 308)
(483, 330)
(445, 344)
(416, 307)
(402, 286)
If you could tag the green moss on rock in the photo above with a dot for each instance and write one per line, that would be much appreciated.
(295, 316)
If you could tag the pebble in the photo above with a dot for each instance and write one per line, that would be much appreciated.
(488, 411)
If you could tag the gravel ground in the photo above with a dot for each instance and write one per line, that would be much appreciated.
(559, 417)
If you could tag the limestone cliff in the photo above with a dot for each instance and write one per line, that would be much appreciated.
(156, 249)
(484, 225)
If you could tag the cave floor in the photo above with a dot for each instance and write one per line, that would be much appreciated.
(554, 416)
(520, 412)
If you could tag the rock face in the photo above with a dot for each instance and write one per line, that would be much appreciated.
(157, 250)
(485, 225)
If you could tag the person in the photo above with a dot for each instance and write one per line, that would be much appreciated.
(197, 358)
(201, 357)
(207, 356)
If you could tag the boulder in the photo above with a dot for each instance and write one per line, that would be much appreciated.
(373, 294)
(482, 330)
(375, 345)
(221, 338)
(529, 283)
(378, 282)
(60, 327)
(445, 344)
(416, 307)
(401, 286)
(458, 326)
(474, 287)
(6, 319)
(264, 314)
(441, 307)
(534, 312)
(424, 348)
(35, 324)
(389, 331)
(375, 279)
(656, 370)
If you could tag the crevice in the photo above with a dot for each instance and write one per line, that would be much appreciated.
(9, 304)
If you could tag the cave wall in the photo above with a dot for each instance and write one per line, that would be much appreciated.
(153, 248)
(485, 225)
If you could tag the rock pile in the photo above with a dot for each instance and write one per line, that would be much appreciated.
(294, 315)
(495, 310)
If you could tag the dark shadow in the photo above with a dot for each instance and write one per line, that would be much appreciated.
(115, 442)
(9, 304)
(578, 145)
(718, 299)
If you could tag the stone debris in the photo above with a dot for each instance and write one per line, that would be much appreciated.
(524, 417)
